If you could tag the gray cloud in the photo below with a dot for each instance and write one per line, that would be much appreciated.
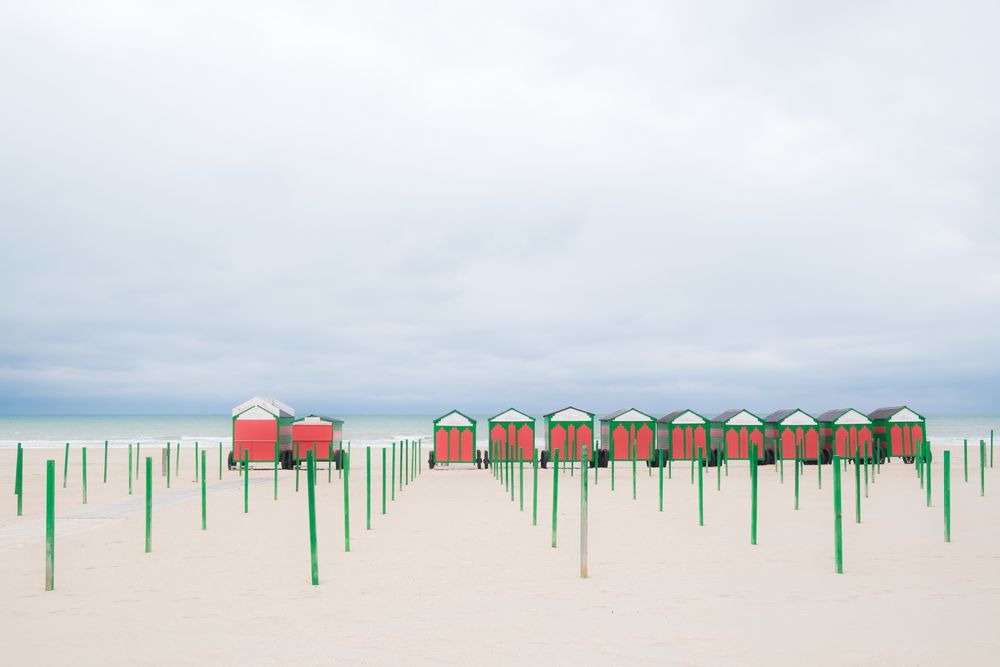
(382, 207)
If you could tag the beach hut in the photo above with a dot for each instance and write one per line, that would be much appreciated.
(736, 430)
(627, 428)
(569, 425)
(259, 425)
(511, 432)
(843, 430)
(319, 434)
(454, 439)
(683, 433)
(898, 431)
(792, 431)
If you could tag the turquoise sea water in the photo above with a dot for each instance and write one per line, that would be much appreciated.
(376, 430)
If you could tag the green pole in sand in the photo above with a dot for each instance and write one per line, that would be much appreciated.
(149, 504)
(991, 448)
(634, 448)
(866, 456)
(204, 499)
(65, 465)
(368, 488)
(611, 455)
(597, 460)
(277, 455)
(796, 477)
(982, 468)
(196, 460)
(401, 466)
(168, 465)
(670, 466)
(393, 478)
(927, 473)
(510, 474)
(295, 458)
(838, 520)
(19, 478)
(965, 450)
(50, 523)
(137, 459)
(583, 514)
(220, 461)
(857, 486)
(947, 495)
(718, 473)
(781, 461)
(701, 496)
(520, 475)
(105, 462)
(534, 488)
(692, 466)
(753, 494)
(129, 475)
(555, 493)
(404, 473)
(246, 482)
(84, 452)
(819, 465)
(347, 503)
(329, 462)
(383, 480)
(311, 494)
(660, 455)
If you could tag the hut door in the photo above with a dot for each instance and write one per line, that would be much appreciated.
(744, 452)
(677, 450)
(812, 444)
(757, 438)
(840, 441)
(512, 440)
(699, 440)
(557, 441)
(896, 441)
(908, 443)
(467, 446)
(917, 434)
(498, 438)
(583, 437)
(788, 440)
(526, 441)
(644, 441)
(732, 444)
(452, 444)
(441, 444)
(619, 438)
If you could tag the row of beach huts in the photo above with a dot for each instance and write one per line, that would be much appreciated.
(266, 430)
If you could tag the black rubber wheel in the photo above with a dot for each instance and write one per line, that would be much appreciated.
(230, 463)
(827, 456)
(431, 461)
(603, 456)
(544, 460)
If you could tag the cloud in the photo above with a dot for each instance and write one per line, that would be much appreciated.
(384, 207)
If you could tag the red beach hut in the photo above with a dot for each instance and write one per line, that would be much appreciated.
(898, 431)
(792, 430)
(628, 428)
(259, 425)
(567, 431)
(454, 439)
(736, 430)
(843, 430)
(683, 433)
(511, 432)
(319, 434)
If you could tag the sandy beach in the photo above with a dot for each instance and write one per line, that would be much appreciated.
(455, 572)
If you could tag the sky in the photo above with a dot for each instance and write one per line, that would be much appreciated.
(394, 207)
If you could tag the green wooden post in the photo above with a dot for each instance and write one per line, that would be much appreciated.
(406, 466)
(105, 462)
(19, 479)
(168, 465)
(670, 466)
(753, 494)
(368, 488)
(295, 458)
(393, 485)
(149, 504)
(311, 495)
(520, 477)
(555, 493)
(857, 486)
(129, 475)
(178, 457)
(66, 465)
(383, 480)
(329, 463)
(635, 446)
(246, 482)
(819, 465)
(611, 455)
(718, 473)
(982, 468)
(50, 523)
(583, 514)
(401, 466)
(660, 472)
(965, 449)
(991, 448)
(534, 487)
(701, 496)
(838, 520)
(866, 456)
(220, 461)
(346, 468)
(796, 477)
(947, 495)
(84, 452)
(510, 474)
(597, 459)
(277, 457)
(927, 472)
(196, 460)
(204, 498)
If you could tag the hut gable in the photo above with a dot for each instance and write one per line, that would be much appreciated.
(682, 417)
(844, 417)
(318, 419)
(512, 415)
(738, 418)
(900, 413)
(790, 417)
(570, 414)
(627, 415)
(262, 408)
(453, 418)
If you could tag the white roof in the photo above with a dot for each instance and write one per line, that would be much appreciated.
(570, 415)
(453, 418)
(512, 415)
(271, 405)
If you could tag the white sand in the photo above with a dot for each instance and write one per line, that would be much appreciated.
(456, 574)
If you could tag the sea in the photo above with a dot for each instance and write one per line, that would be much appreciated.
(362, 430)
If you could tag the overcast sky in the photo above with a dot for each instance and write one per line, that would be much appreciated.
(391, 207)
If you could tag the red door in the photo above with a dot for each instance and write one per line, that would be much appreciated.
(644, 442)
(466, 453)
